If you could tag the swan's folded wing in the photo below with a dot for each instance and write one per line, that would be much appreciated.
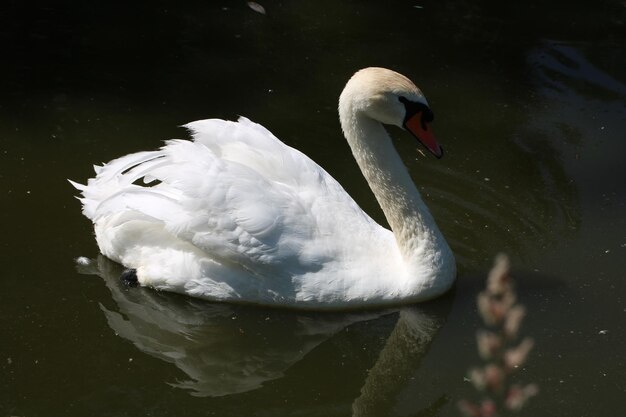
(236, 192)
(234, 212)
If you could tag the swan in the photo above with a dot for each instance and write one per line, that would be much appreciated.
(235, 215)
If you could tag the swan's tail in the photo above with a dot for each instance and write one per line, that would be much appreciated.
(116, 178)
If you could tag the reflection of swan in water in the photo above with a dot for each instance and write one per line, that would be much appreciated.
(406, 346)
(226, 349)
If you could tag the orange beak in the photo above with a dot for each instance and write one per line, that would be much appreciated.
(423, 133)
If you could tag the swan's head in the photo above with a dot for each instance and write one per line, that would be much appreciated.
(392, 99)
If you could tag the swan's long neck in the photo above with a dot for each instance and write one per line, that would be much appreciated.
(419, 240)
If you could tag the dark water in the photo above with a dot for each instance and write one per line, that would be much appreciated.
(529, 100)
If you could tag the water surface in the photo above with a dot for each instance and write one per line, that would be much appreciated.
(530, 106)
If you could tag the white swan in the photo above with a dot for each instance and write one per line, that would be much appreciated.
(238, 216)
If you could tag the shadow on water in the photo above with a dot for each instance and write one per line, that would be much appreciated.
(225, 350)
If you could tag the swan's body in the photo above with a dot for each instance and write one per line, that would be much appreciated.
(238, 216)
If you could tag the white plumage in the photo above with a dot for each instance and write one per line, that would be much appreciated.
(236, 215)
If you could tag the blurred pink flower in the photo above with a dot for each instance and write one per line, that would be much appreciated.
(498, 309)
(491, 377)
(517, 396)
(515, 357)
(499, 281)
(513, 321)
(488, 409)
(494, 377)
(469, 409)
(494, 309)
(478, 379)
(489, 344)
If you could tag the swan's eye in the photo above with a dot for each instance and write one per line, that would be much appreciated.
(412, 107)
(428, 115)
